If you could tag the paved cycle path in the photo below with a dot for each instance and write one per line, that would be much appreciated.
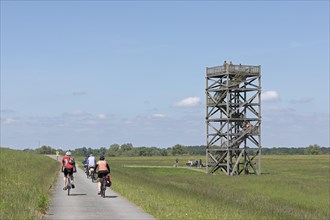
(84, 203)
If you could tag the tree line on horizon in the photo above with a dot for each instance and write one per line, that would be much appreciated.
(128, 150)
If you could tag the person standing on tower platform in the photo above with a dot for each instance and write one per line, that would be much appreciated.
(225, 66)
(231, 66)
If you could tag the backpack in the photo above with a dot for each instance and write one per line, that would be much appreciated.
(71, 161)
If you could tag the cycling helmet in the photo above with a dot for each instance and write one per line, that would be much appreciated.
(101, 157)
(68, 153)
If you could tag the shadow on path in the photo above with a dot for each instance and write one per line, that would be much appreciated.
(77, 194)
(110, 197)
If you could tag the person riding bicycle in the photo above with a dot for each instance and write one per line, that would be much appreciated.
(104, 170)
(85, 163)
(68, 167)
(91, 163)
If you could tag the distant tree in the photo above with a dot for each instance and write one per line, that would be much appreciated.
(283, 151)
(44, 150)
(178, 150)
(81, 151)
(313, 149)
(102, 151)
(126, 147)
(325, 150)
(163, 152)
(113, 150)
(128, 150)
(154, 151)
(141, 151)
(196, 150)
(91, 151)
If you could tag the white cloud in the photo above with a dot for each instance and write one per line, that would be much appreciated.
(102, 116)
(188, 102)
(90, 122)
(270, 96)
(158, 116)
(8, 121)
(76, 113)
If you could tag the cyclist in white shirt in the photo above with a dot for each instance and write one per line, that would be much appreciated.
(91, 163)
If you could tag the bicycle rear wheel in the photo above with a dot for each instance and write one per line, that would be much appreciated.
(68, 185)
(103, 187)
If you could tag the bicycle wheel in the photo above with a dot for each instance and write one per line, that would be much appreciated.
(68, 185)
(103, 187)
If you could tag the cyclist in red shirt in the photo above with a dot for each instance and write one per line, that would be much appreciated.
(104, 169)
(68, 167)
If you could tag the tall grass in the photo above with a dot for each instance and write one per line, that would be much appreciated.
(291, 187)
(25, 179)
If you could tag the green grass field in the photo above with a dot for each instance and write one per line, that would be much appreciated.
(291, 187)
(25, 179)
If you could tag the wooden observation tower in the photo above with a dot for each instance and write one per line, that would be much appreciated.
(233, 119)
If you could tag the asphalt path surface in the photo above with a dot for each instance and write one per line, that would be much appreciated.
(84, 203)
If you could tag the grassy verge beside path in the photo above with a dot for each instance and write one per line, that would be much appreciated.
(292, 187)
(25, 180)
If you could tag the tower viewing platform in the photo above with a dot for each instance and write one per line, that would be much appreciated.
(232, 69)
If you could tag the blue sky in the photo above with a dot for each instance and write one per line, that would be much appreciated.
(86, 73)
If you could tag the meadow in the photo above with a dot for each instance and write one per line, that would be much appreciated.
(25, 179)
(291, 187)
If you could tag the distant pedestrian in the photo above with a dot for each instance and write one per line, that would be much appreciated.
(176, 162)
(196, 163)
(57, 154)
(200, 163)
(189, 163)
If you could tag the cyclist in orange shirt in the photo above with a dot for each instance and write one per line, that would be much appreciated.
(104, 169)
(68, 167)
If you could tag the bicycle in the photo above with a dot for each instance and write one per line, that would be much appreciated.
(87, 173)
(92, 175)
(85, 167)
(103, 186)
(68, 184)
